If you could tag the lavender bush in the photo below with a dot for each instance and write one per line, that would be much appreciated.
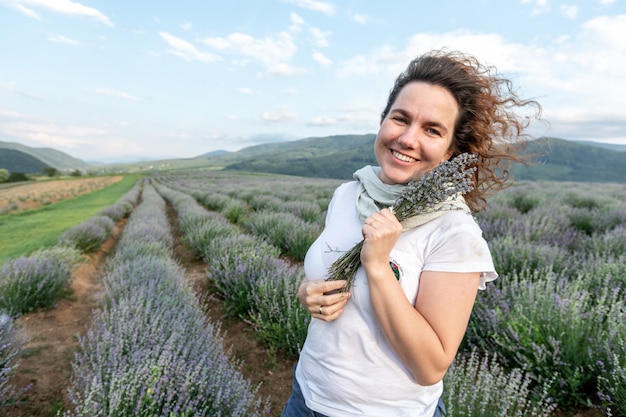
(124, 205)
(236, 264)
(39, 280)
(86, 236)
(90, 234)
(480, 387)
(148, 231)
(290, 233)
(276, 313)
(201, 236)
(547, 323)
(235, 210)
(309, 211)
(612, 382)
(10, 347)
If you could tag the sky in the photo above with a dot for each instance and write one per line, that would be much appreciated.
(113, 80)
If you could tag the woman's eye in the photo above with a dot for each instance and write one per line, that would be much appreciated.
(434, 132)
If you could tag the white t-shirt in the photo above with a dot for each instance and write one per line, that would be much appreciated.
(346, 367)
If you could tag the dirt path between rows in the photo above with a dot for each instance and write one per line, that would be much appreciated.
(51, 336)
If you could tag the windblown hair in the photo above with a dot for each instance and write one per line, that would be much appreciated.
(489, 123)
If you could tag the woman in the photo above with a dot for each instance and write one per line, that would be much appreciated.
(383, 347)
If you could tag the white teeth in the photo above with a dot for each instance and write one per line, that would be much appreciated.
(403, 157)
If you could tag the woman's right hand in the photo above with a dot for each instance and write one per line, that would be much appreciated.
(322, 298)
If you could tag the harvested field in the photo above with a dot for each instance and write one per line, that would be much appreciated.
(30, 195)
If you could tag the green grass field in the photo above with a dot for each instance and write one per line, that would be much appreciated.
(24, 232)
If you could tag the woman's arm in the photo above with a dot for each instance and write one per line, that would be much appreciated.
(425, 336)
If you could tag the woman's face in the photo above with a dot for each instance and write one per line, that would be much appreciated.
(417, 133)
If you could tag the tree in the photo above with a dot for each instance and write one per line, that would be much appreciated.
(49, 171)
(17, 177)
(4, 175)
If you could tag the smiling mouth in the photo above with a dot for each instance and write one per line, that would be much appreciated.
(402, 157)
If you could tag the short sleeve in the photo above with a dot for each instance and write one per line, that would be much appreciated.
(457, 245)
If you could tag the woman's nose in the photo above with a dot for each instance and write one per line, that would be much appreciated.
(409, 137)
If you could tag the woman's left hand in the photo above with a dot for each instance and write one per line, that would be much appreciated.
(380, 233)
(325, 300)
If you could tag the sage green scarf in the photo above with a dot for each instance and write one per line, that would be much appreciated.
(373, 195)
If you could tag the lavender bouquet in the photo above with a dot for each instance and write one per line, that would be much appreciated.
(422, 199)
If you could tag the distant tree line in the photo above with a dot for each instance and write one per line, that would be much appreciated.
(6, 176)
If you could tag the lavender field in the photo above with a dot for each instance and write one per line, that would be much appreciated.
(548, 338)
(551, 331)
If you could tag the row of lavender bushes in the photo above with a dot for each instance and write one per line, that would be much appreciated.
(42, 278)
(242, 261)
(93, 232)
(150, 350)
(256, 284)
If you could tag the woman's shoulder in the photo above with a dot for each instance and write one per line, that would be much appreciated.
(348, 185)
(456, 220)
(346, 189)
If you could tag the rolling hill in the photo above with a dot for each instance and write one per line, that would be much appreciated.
(16, 161)
(48, 156)
(339, 156)
(326, 157)
(562, 160)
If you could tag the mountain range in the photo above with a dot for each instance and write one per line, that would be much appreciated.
(338, 157)
(15, 157)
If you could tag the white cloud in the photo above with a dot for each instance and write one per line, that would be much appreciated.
(323, 121)
(273, 52)
(296, 22)
(246, 90)
(66, 7)
(321, 59)
(280, 114)
(186, 25)
(12, 87)
(51, 134)
(11, 114)
(320, 38)
(25, 10)
(62, 39)
(571, 12)
(187, 50)
(75, 140)
(317, 6)
(360, 18)
(564, 76)
(114, 93)
(284, 70)
(540, 6)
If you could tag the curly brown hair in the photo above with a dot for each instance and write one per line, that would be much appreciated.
(488, 125)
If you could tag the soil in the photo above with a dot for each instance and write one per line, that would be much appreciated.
(51, 336)
(51, 339)
(25, 196)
